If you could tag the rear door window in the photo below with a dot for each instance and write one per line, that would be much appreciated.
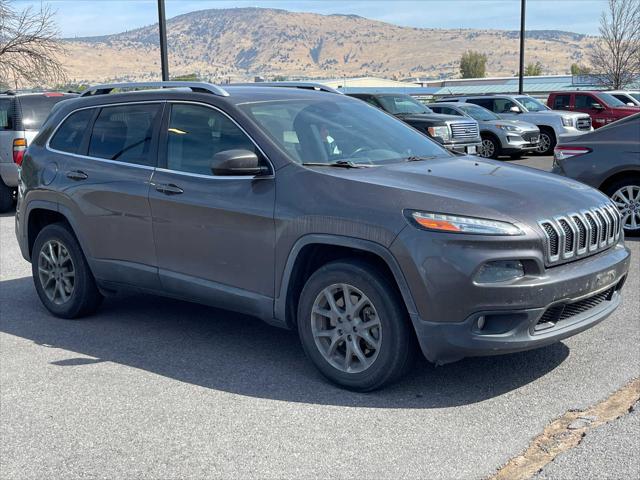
(125, 133)
(68, 138)
(483, 102)
(36, 108)
(561, 102)
(6, 114)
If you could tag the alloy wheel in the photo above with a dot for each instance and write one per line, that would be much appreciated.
(56, 272)
(346, 328)
(487, 149)
(627, 199)
(545, 143)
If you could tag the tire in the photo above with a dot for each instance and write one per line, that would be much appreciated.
(547, 141)
(64, 295)
(516, 156)
(490, 147)
(6, 197)
(393, 346)
(625, 193)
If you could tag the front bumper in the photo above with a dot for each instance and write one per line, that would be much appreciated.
(513, 143)
(467, 148)
(449, 303)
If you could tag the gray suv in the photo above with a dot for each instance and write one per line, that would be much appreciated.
(21, 115)
(499, 137)
(317, 212)
(554, 125)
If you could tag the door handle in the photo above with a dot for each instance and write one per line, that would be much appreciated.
(169, 189)
(77, 175)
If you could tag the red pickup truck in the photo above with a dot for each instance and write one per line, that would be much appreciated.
(603, 107)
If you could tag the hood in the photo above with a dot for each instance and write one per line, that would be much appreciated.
(526, 126)
(564, 113)
(474, 187)
(430, 117)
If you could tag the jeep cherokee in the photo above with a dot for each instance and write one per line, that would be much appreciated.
(317, 212)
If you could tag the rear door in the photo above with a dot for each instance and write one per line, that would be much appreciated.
(109, 157)
(214, 235)
(561, 102)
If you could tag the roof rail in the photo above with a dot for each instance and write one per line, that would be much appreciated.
(303, 85)
(201, 87)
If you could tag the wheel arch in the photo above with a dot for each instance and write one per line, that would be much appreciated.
(617, 176)
(312, 251)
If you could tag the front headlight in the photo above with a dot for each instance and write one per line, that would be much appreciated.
(567, 122)
(509, 128)
(442, 132)
(442, 222)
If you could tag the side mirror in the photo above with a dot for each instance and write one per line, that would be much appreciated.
(514, 109)
(237, 162)
(631, 104)
(597, 106)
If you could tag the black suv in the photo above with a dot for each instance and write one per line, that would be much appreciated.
(457, 134)
(312, 211)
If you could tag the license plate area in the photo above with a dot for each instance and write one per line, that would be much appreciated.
(472, 150)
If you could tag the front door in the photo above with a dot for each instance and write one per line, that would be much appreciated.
(214, 235)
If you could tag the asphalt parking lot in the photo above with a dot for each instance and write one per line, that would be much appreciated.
(157, 388)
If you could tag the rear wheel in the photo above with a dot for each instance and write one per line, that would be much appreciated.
(354, 327)
(6, 197)
(625, 193)
(61, 275)
(547, 141)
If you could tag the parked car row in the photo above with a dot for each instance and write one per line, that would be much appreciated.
(379, 242)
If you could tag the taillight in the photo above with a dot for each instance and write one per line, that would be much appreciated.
(53, 94)
(19, 146)
(564, 152)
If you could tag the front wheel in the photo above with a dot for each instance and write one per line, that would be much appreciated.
(61, 275)
(625, 194)
(489, 148)
(547, 142)
(354, 327)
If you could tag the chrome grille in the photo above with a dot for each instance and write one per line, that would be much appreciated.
(464, 130)
(581, 233)
(583, 123)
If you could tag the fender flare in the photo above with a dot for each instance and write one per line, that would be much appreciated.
(280, 303)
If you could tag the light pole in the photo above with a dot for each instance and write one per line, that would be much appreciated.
(162, 23)
(521, 76)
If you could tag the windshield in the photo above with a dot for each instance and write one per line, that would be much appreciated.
(479, 113)
(610, 100)
(635, 95)
(337, 130)
(532, 105)
(402, 104)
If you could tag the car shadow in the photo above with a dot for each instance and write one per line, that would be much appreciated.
(225, 351)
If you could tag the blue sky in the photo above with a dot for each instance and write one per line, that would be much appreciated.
(99, 17)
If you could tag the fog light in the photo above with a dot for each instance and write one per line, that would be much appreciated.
(500, 271)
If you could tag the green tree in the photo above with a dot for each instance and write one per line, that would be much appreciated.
(579, 69)
(473, 64)
(533, 69)
(189, 77)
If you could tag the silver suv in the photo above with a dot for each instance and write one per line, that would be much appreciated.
(499, 136)
(21, 115)
(553, 124)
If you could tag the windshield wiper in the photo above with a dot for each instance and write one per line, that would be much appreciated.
(339, 164)
(415, 158)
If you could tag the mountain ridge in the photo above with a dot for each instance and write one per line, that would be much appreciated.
(240, 43)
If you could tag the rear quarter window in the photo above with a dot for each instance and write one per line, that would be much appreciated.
(35, 109)
(68, 138)
(6, 114)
